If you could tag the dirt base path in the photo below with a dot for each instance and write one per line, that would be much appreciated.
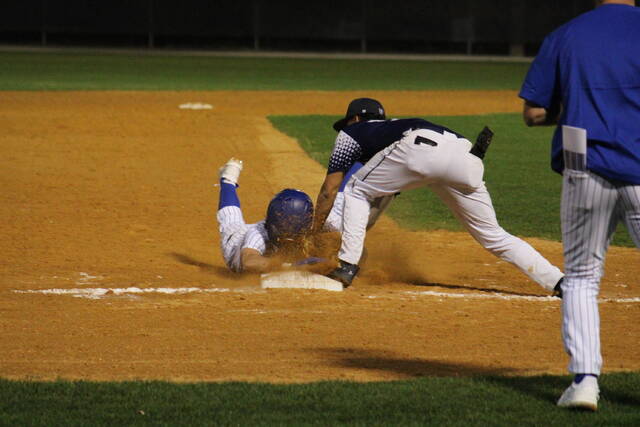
(114, 190)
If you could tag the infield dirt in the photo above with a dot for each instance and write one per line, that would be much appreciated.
(117, 189)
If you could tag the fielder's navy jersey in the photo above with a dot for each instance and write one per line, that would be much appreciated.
(591, 65)
(360, 141)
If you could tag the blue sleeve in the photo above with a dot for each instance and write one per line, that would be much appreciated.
(540, 85)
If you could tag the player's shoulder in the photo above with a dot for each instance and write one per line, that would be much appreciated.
(595, 20)
(581, 33)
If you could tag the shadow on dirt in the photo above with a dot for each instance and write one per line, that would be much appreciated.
(186, 259)
(409, 367)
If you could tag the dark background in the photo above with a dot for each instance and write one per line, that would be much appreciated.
(497, 27)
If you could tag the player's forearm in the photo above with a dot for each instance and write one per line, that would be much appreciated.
(254, 262)
(326, 197)
(323, 207)
(535, 115)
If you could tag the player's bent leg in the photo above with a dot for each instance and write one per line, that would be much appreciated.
(334, 219)
(384, 175)
(475, 212)
(354, 227)
(378, 206)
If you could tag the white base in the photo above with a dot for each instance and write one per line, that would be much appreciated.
(298, 280)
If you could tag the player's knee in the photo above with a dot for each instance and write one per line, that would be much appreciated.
(585, 275)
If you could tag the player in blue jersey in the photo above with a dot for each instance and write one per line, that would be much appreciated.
(245, 246)
(408, 153)
(586, 79)
(248, 247)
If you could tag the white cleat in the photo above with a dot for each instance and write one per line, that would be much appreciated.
(230, 172)
(584, 395)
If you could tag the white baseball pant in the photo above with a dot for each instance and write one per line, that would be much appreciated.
(442, 162)
(334, 220)
(591, 208)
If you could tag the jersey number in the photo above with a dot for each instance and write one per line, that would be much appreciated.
(422, 140)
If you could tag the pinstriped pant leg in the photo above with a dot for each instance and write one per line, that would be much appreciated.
(630, 195)
(589, 215)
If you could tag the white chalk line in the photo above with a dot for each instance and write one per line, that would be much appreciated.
(97, 293)
(512, 297)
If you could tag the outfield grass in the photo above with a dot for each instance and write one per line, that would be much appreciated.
(69, 71)
(433, 401)
(524, 189)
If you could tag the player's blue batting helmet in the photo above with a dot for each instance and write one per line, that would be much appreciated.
(289, 215)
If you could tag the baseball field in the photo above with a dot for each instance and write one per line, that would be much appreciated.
(116, 306)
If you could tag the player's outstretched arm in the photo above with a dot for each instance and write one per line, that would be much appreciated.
(254, 262)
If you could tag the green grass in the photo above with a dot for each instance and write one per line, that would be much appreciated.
(81, 71)
(524, 190)
(430, 400)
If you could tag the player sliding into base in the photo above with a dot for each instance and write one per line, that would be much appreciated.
(249, 247)
(244, 246)
(403, 154)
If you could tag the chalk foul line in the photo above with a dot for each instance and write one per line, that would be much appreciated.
(97, 293)
(510, 297)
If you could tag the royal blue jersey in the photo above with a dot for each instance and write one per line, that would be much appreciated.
(360, 141)
(591, 65)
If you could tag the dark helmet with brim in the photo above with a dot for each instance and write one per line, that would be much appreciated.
(366, 108)
(289, 215)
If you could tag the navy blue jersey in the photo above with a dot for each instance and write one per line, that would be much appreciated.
(360, 141)
(591, 65)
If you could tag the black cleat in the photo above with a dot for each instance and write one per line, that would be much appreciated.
(557, 289)
(345, 273)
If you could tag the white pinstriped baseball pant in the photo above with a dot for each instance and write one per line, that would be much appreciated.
(456, 176)
(591, 209)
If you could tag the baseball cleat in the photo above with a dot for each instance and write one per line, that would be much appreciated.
(583, 393)
(230, 172)
(345, 273)
(557, 289)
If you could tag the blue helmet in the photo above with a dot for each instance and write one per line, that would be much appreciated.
(289, 215)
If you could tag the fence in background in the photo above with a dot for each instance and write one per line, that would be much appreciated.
(513, 27)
